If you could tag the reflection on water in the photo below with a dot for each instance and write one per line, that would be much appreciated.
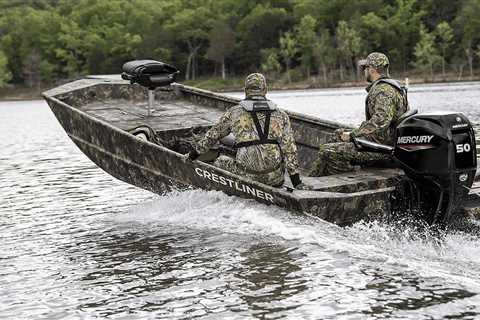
(78, 244)
(269, 276)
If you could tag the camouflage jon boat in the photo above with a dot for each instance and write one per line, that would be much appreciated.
(99, 113)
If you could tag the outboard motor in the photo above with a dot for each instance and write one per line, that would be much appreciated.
(437, 151)
(150, 74)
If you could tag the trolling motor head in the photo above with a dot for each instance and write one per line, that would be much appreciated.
(437, 151)
(149, 73)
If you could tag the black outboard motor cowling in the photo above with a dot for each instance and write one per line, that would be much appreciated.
(149, 73)
(437, 151)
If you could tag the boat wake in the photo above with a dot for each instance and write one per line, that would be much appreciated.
(451, 256)
(215, 211)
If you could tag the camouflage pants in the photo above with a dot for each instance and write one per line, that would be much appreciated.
(340, 157)
(274, 178)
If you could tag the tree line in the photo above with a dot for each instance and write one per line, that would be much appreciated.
(42, 41)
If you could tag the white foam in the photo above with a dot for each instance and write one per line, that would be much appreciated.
(214, 210)
(456, 258)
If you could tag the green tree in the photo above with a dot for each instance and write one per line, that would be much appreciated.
(23, 44)
(375, 31)
(405, 23)
(72, 50)
(270, 64)
(324, 54)
(468, 25)
(222, 42)
(426, 55)
(329, 12)
(444, 34)
(5, 74)
(36, 4)
(43, 40)
(259, 29)
(191, 25)
(101, 34)
(306, 38)
(288, 50)
(31, 69)
(349, 46)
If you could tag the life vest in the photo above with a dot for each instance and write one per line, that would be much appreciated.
(397, 85)
(253, 106)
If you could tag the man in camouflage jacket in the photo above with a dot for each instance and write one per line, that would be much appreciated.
(261, 156)
(385, 103)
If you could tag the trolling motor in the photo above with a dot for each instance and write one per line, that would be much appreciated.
(437, 151)
(150, 74)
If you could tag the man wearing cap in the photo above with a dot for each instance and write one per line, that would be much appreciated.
(385, 103)
(263, 138)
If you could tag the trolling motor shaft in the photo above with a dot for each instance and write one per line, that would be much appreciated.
(151, 101)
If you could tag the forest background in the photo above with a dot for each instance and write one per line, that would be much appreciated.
(215, 43)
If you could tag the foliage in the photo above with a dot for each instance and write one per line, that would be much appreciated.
(259, 29)
(221, 43)
(190, 24)
(425, 52)
(42, 41)
(306, 34)
(444, 33)
(324, 55)
(288, 50)
(270, 65)
(348, 44)
(5, 74)
(405, 23)
(468, 26)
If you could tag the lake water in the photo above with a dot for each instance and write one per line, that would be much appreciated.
(79, 244)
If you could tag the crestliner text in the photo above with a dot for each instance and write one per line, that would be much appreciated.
(233, 184)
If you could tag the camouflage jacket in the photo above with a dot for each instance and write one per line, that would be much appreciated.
(257, 157)
(383, 106)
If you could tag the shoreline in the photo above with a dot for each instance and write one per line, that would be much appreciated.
(213, 84)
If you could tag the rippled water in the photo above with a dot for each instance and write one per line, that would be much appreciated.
(78, 244)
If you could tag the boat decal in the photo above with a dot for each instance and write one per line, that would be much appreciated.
(233, 184)
(414, 139)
